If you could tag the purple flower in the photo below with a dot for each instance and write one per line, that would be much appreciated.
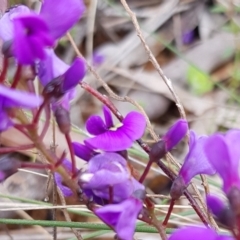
(31, 36)
(223, 153)
(60, 78)
(188, 37)
(215, 204)
(195, 163)
(61, 15)
(31, 33)
(11, 98)
(82, 151)
(97, 59)
(198, 233)
(108, 172)
(110, 138)
(175, 134)
(6, 22)
(122, 217)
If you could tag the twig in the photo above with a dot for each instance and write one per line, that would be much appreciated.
(153, 59)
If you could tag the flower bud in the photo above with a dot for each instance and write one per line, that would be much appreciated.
(158, 151)
(177, 188)
(175, 134)
(234, 200)
(63, 119)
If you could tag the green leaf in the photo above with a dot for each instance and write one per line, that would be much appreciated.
(218, 9)
(199, 81)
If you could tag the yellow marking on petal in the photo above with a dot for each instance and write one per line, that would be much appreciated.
(116, 127)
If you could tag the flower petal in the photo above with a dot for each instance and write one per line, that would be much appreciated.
(175, 134)
(95, 125)
(108, 117)
(61, 15)
(31, 36)
(215, 204)
(6, 22)
(123, 137)
(67, 192)
(196, 233)
(74, 74)
(16, 98)
(117, 214)
(196, 161)
(51, 67)
(82, 151)
(216, 150)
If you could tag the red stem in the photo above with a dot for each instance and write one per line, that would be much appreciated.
(72, 154)
(146, 170)
(4, 70)
(36, 165)
(17, 76)
(165, 222)
(36, 118)
(47, 121)
(17, 148)
(20, 129)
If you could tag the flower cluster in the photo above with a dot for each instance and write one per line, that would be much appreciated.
(108, 183)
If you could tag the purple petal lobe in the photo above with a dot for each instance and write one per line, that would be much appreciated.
(175, 134)
(217, 151)
(196, 233)
(74, 74)
(108, 117)
(67, 192)
(121, 216)
(6, 22)
(95, 125)
(15, 98)
(196, 161)
(31, 36)
(82, 151)
(123, 137)
(61, 15)
(215, 204)
(51, 67)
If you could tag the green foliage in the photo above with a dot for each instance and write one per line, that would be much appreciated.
(199, 81)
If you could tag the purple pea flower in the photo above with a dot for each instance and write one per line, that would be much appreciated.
(11, 98)
(32, 32)
(82, 151)
(122, 217)
(195, 163)
(198, 233)
(31, 36)
(109, 171)
(60, 77)
(175, 134)
(222, 212)
(110, 138)
(223, 153)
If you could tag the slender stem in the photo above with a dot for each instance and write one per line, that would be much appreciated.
(72, 154)
(31, 89)
(36, 118)
(46, 122)
(35, 165)
(146, 170)
(16, 148)
(104, 99)
(4, 70)
(22, 130)
(193, 202)
(17, 76)
(165, 222)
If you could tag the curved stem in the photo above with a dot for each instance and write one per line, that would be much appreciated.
(165, 222)
(146, 170)
(16, 148)
(4, 70)
(47, 121)
(17, 76)
(37, 116)
(72, 154)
